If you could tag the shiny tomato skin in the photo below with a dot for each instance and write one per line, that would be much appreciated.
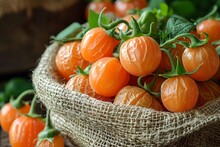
(9, 114)
(81, 84)
(68, 57)
(133, 95)
(211, 27)
(98, 6)
(58, 141)
(140, 55)
(122, 7)
(96, 44)
(107, 76)
(206, 56)
(208, 90)
(179, 94)
(24, 131)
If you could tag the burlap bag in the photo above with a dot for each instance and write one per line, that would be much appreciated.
(89, 122)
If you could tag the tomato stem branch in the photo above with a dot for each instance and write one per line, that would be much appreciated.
(17, 103)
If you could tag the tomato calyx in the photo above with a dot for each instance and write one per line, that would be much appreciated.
(194, 41)
(18, 102)
(84, 72)
(177, 68)
(148, 87)
(136, 31)
(32, 113)
(49, 132)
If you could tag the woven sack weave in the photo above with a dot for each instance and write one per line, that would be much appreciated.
(89, 122)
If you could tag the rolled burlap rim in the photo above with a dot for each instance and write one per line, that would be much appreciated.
(90, 122)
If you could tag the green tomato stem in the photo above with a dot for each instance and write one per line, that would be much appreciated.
(32, 112)
(195, 42)
(148, 87)
(49, 132)
(111, 25)
(17, 103)
(210, 14)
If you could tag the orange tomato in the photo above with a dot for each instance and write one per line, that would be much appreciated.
(107, 76)
(96, 44)
(132, 95)
(9, 114)
(122, 7)
(179, 94)
(98, 6)
(24, 131)
(81, 84)
(58, 141)
(140, 55)
(206, 56)
(68, 57)
(209, 26)
(208, 91)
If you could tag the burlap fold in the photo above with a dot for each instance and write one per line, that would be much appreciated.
(89, 122)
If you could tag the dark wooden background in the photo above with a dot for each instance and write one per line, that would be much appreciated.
(23, 37)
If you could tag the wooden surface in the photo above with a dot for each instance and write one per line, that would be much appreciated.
(25, 35)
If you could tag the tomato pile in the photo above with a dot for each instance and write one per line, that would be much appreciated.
(151, 58)
(25, 127)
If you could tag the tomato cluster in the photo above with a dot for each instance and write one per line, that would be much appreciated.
(25, 127)
(142, 60)
(119, 8)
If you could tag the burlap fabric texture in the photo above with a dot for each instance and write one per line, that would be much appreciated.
(89, 122)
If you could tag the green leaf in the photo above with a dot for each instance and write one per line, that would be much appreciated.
(70, 31)
(164, 9)
(218, 50)
(93, 19)
(178, 25)
(155, 3)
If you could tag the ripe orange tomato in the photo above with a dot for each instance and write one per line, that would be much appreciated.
(58, 141)
(208, 91)
(132, 95)
(179, 94)
(81, 84)
(206, 56)
(97, 7)
(107, 76)
(68, 57)
(122, 7)
(24, 131)
(140, 55)
(209, 26)
(9, 114)
(96, 44)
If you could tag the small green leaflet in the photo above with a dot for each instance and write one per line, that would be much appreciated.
(178, 25)
(93, 19)
(70, 31)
